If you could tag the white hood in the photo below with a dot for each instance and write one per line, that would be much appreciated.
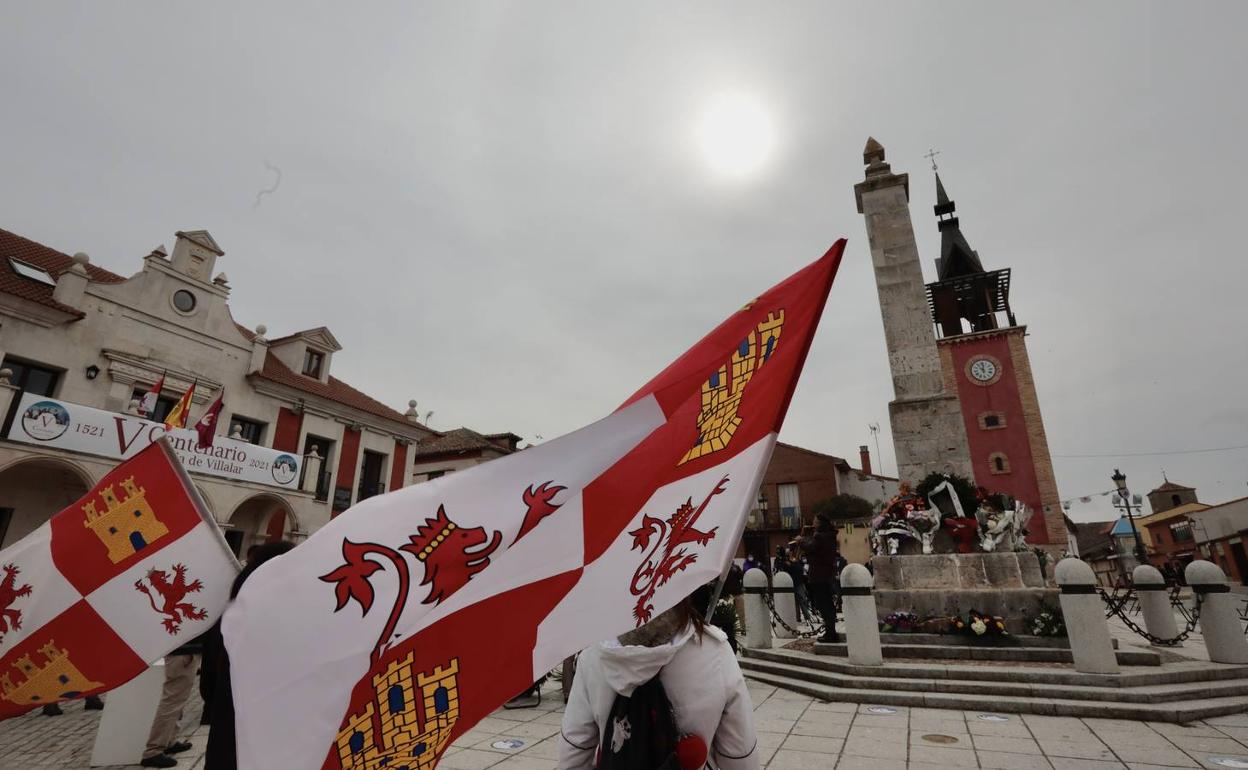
(625, 668)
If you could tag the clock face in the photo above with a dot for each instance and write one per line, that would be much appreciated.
(983, 370)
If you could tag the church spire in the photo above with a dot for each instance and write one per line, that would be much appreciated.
(943, 204)
(957, 258)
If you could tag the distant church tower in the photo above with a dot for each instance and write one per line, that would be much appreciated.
(982, 353)
(927, 423)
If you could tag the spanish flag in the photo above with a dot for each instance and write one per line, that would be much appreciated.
(182, 410)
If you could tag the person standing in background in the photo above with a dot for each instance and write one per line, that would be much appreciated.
(823, 551)
(797, 571)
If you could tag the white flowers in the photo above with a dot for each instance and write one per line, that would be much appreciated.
(979, 627)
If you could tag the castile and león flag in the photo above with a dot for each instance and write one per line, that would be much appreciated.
(406, 620)
(109, 585)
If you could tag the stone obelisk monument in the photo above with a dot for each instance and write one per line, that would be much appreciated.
(928, 431)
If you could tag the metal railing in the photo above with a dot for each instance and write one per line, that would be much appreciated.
(370, 490)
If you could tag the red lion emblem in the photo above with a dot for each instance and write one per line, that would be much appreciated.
(11, 619)
(172, 607)
(671, 536)
(451, 554)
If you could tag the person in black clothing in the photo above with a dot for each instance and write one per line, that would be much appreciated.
(797, 571)
(781, 563)
(823, 551)
(214, 678)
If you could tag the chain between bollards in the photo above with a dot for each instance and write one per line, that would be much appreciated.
(1116, 604)
(775, 618)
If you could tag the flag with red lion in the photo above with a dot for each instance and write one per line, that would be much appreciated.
(89, 598)
(406, 620)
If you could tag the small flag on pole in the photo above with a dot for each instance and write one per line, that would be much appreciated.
(207, 425)
(182, 410)
(148, 404)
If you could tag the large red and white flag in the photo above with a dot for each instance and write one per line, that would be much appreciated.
(402, 623)
(112, 583)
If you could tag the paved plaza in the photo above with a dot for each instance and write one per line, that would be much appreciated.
(795, 731)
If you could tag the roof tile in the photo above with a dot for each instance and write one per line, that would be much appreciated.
(335, 390)
(51, 260)
(455, 441)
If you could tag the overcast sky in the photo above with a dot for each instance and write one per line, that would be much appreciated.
(507, 210)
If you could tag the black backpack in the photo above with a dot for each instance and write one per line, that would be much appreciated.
(640, 733)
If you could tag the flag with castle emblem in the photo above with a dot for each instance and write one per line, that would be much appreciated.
(403, 622)
(115, 581)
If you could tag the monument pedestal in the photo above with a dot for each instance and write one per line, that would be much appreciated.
(1010, 585)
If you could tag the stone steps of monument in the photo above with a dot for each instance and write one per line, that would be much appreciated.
(1174, 711)
(1060, 642)
(1005, 687)
(1132, 657)
(1171, 673)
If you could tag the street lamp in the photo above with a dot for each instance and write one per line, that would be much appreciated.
(1120, 480)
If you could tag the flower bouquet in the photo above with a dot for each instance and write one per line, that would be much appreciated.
(977, 624)
(1047, 622)
(900, 623)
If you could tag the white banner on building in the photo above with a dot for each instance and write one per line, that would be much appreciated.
(48, 422)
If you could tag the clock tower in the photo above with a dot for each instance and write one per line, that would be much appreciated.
(983, 358)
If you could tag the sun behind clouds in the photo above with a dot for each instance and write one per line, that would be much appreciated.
(736, 134)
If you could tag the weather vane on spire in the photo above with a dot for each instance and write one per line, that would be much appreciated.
(931, 155)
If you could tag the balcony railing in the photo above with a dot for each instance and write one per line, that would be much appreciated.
(367, 490)
(759, 521)
(322, 483)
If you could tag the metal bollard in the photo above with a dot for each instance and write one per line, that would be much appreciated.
(1150, 587)
(757, 619)
(1090, 643)
(785, 601)
(1219, 621)
(862, 627)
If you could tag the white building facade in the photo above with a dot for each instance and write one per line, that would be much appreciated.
(79, 344)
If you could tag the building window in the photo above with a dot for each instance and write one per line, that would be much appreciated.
(27, 270)
(183, 301)
(312, 363)
(790, 506)
(32, 378)
(998, 463)
(370, 475)
(1181, 531)
(247, 430)
(991, 420)
(1175, 501)
(27, 378)
(431, 475)
(323, 447)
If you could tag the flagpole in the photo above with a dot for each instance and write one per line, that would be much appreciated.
(197, 499)
(186, 413)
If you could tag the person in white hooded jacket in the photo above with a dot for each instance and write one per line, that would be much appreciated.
(698, 671)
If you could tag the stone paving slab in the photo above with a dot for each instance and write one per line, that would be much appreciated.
(795, 733)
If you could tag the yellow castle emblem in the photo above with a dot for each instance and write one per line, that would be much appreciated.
(407, 723)
(128, 524)
(55, 680)
(722, 391)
